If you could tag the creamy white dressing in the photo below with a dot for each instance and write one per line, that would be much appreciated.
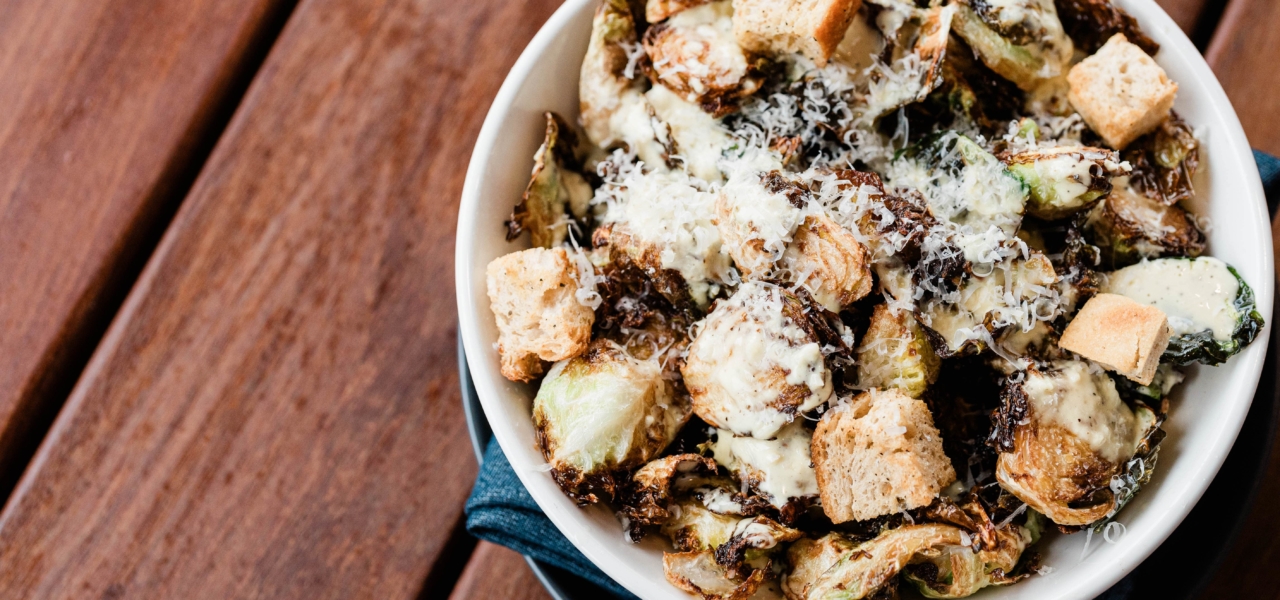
(633, 124)
(1067, 177)
(700, 138)
(783, 464)
(1086, 404)
(1196, 295)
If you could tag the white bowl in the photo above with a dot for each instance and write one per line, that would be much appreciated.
(1207, 411)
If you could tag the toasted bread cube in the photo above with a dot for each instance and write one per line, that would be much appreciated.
(1121, 92)
(1120, 334)
(835, 265)
(533, 295)
(810, 27)
(878, 454)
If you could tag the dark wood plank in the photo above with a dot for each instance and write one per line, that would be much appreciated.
(1248, 570)
(1243, 54)
(109, 106)
(274, 413)
(1186, 13)
(497, 572)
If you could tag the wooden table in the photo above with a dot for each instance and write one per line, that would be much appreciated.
(227, 317)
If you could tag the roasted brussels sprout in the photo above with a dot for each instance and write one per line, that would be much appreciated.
(829, 262)
(1066, 179)
(810, 558)
(655, 486)
(963, 183)
(1064, 435)
(1090, 23)
(695, 55)
(969, 87)
(928, 45)
(1211, 309)
(756, 362)
(1015, 293)
(1022, 40)
(945, 562)
(959, 571)
(1128, 226)
(698, 573)
(692, 526)
(611, 87)
(603, 413)
(556, 185)
(895, 353)
(1165, 161)
(698, 138)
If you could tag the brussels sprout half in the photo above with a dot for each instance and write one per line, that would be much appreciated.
(1066, 179)
(554, 186)
(943, 561)
(959, 571)
(1128, 226)
(1066, 439)
(601, 414)
(1211, 309)
(1022, 40)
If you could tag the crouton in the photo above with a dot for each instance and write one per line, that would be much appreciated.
(1120, 334)
(1121, 92)
(533, 295)
(878, 454)
(833, 264)
(896, 354)
(810, 27)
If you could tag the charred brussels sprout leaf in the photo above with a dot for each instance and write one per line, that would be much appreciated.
(1164, 162)
(601, 414)
(1211, 309)
(1090, 23)
(555, 189)
(1066, 179)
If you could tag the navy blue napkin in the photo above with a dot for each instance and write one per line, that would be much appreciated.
(501, 511)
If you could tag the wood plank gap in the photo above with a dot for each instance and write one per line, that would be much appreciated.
(1206, 24)
(64, 362)
(445, 573)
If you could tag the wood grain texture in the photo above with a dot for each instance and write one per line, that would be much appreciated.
(274, 413)
(1243, 54)
(108, 107)
(497, 572)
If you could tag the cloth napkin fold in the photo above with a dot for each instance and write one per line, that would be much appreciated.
(501, 510)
